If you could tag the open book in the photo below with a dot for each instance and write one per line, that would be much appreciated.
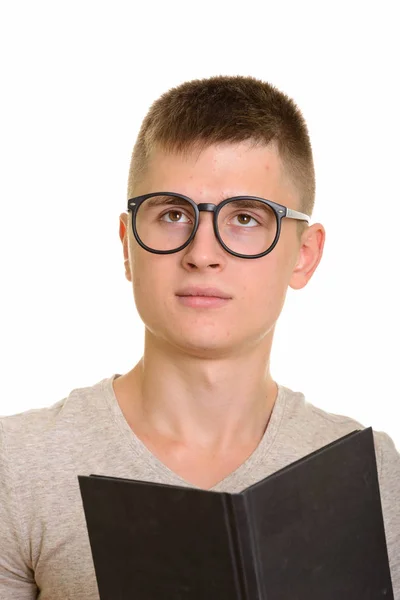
(311, 531)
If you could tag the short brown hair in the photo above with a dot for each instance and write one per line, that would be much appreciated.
(219, 109)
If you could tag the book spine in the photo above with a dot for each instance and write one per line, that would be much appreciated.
(241, 547)
(249, 542)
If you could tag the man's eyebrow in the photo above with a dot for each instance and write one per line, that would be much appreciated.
(176, 201)
(252, 204)
(163, 200)
(247, 203)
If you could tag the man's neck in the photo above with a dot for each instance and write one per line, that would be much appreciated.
(209, 404)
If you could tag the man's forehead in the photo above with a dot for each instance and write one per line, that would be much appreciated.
(236, 162)
(219, 170)
(191, 154)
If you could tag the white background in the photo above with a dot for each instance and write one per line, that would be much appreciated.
(77, 79)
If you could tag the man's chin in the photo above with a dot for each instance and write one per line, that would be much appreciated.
(203, 346)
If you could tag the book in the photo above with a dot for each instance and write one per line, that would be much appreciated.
(313, 530)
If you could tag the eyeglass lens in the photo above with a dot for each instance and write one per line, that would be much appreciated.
(246, 226)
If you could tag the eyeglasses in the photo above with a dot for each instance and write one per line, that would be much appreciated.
(245, 226)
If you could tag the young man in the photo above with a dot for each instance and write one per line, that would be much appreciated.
(209, 278)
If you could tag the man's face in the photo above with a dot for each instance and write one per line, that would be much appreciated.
(257, 287)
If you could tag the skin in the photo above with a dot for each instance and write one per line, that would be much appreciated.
(201, 396)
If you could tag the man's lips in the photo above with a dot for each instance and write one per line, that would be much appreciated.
(203, 301)
(209, 292)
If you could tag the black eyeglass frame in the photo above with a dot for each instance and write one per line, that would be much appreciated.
(280, 211)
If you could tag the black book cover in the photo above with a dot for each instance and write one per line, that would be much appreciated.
(310, 531)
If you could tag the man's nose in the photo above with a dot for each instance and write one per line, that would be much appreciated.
(205, 248)
(205, 231)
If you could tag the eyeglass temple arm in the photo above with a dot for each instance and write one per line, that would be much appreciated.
(294, 214)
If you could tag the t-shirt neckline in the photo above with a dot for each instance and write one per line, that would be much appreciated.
(164, 474)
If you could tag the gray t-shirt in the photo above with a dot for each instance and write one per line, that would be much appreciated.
(44, 546)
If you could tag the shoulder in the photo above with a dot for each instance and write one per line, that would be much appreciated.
(47, 432)
(316, 427)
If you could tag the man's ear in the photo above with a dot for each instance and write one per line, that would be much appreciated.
(309, 256)
(123, 234)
